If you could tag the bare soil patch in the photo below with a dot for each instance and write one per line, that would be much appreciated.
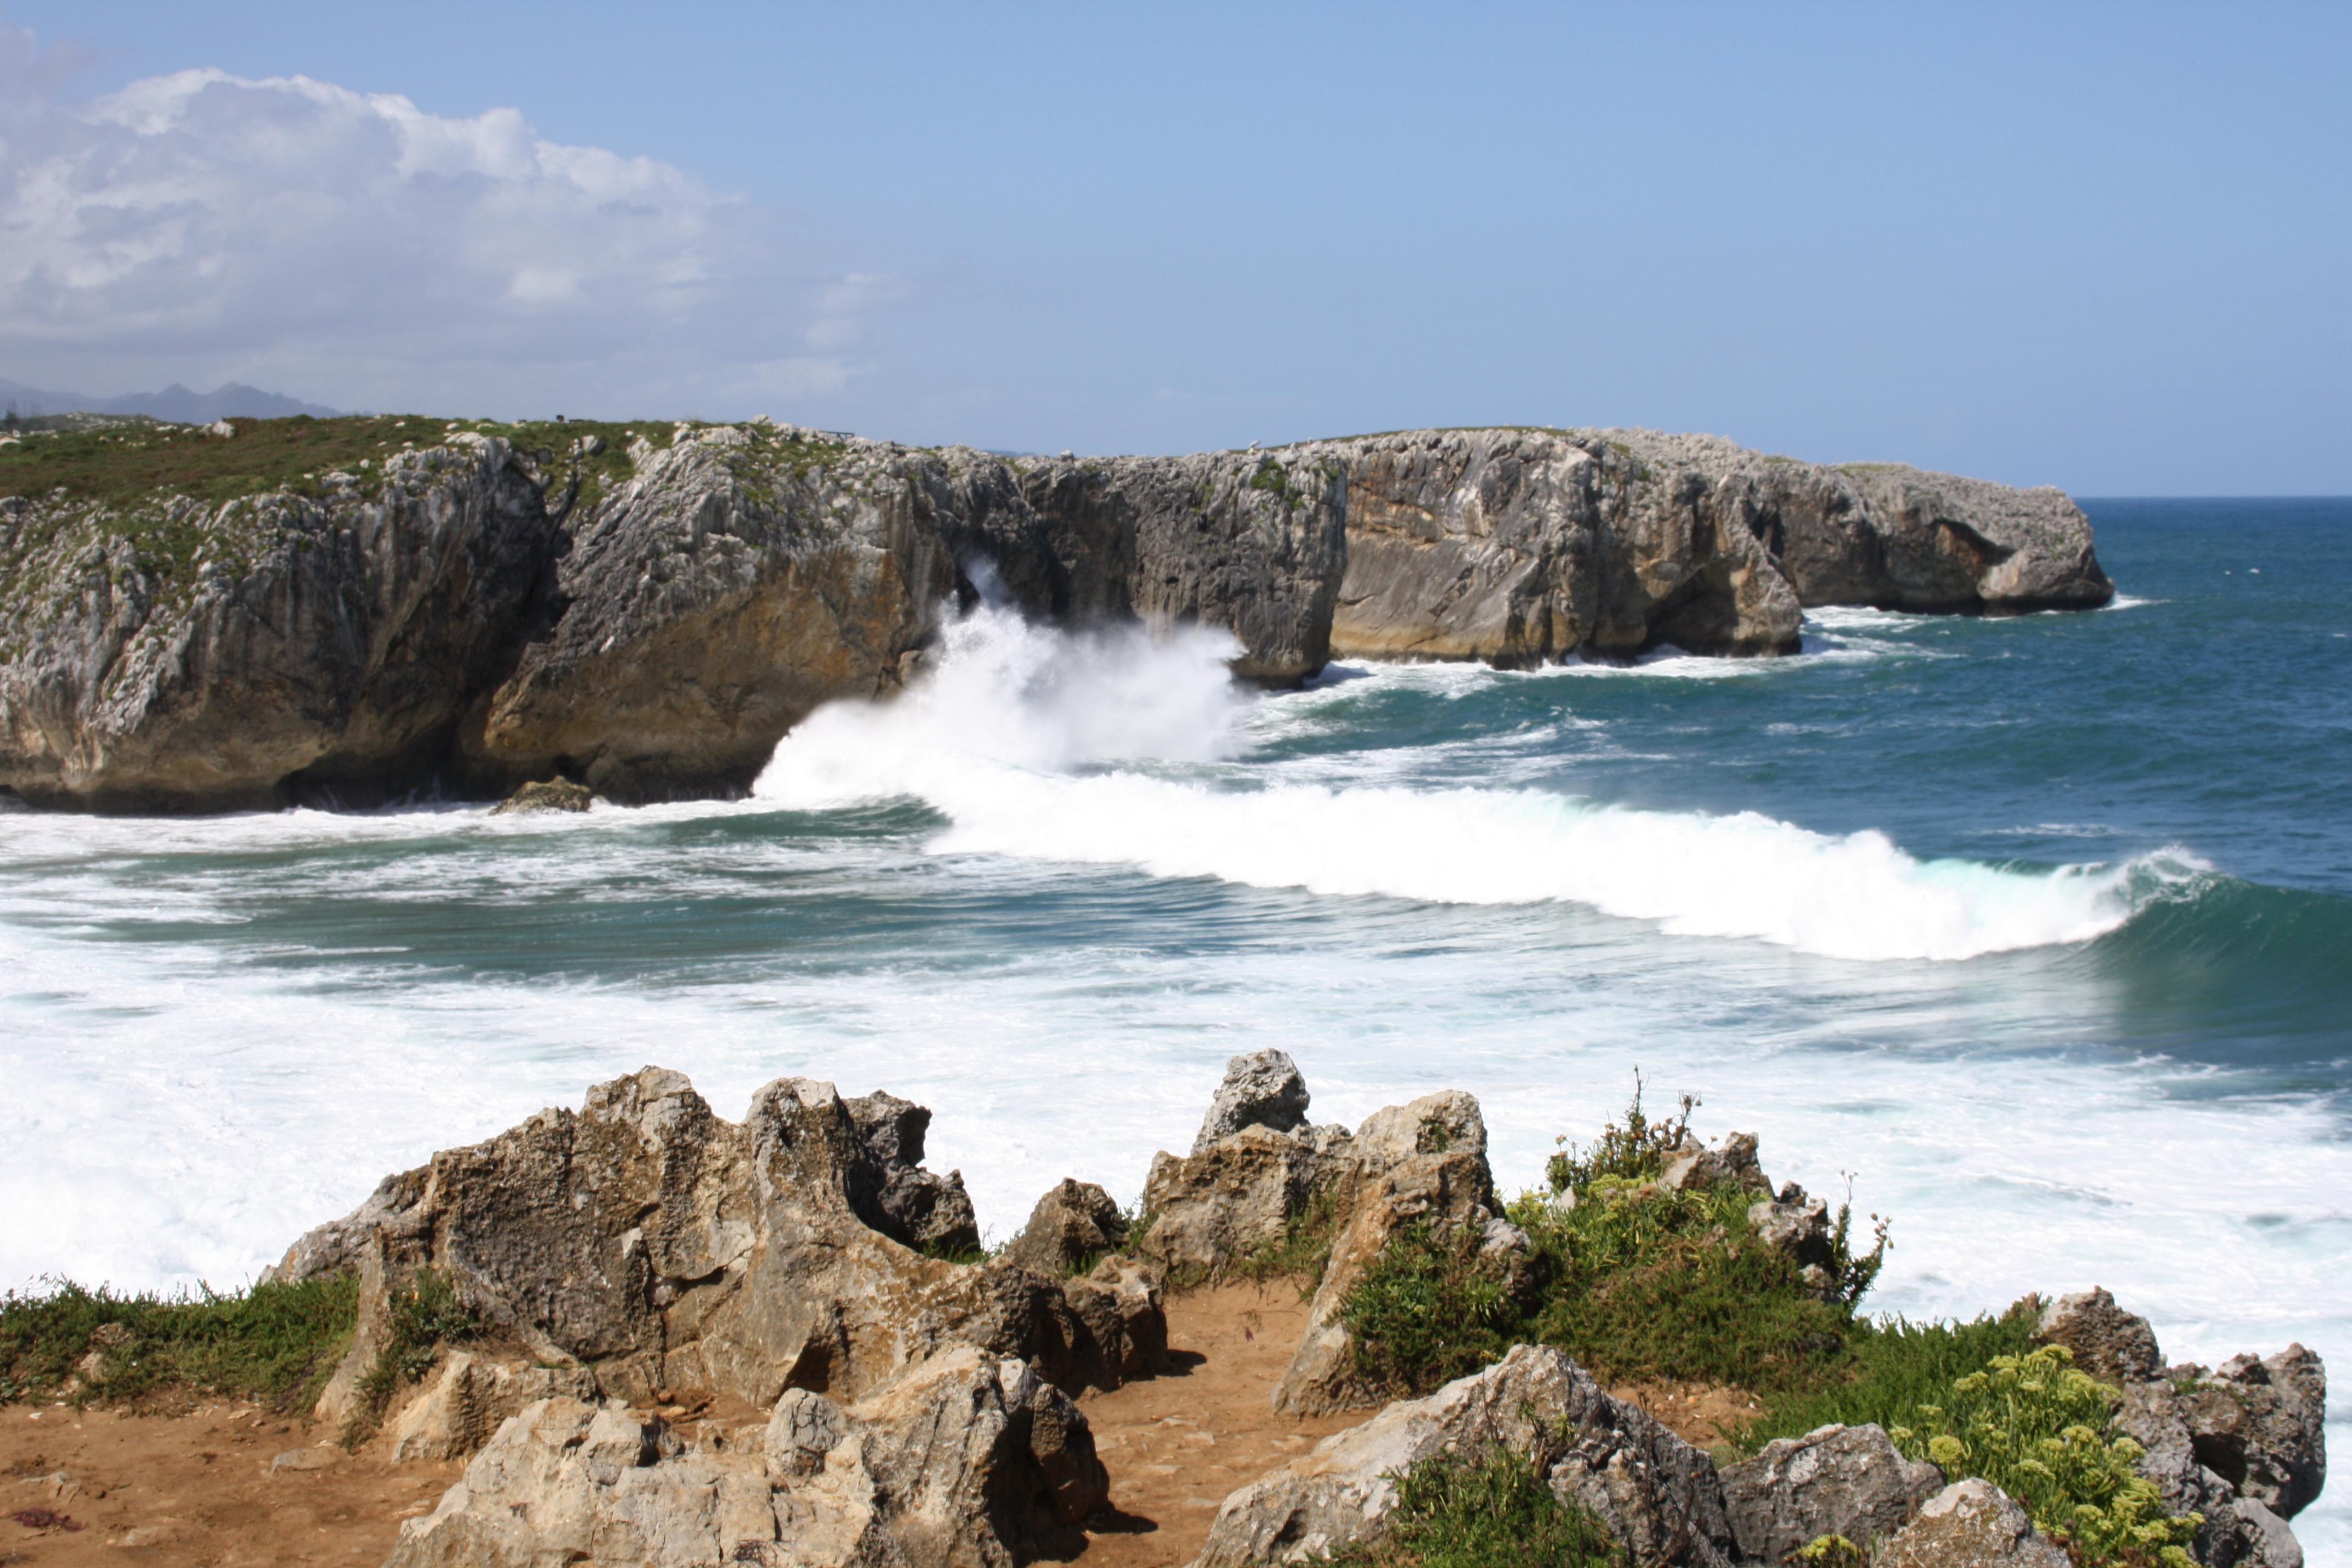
(1177, 1444)
(208, 1488)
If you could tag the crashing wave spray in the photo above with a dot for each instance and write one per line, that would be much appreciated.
(1049, 746)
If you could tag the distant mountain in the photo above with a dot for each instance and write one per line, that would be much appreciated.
(174, 403)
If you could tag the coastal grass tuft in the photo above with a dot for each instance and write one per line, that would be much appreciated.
(1891, 1368)
(420, 1319)
(275, 1343)
(1455, 1512)
(1636, 1281)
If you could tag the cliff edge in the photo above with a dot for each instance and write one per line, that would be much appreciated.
(341, 610)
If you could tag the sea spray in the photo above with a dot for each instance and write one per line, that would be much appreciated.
(1048, 746)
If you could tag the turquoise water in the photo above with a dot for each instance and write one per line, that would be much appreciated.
(2040, 929)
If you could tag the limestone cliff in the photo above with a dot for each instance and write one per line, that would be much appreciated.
(342, 609)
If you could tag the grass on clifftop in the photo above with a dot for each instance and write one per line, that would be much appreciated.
(148, 461)
(274, 1344)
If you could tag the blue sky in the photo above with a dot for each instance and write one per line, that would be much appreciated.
(2106, 246)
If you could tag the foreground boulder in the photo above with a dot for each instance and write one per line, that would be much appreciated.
(1658, 1496)
(647, 1244)
(964, 1460)
(1833, 1481)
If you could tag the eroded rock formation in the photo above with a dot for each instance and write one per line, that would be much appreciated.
(966, 1461)
(652, 1246)
(479, 616)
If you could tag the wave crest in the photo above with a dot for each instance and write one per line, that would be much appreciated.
(1050, 747)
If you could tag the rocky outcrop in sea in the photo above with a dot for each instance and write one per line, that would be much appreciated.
(696, 1342)
(649, 616)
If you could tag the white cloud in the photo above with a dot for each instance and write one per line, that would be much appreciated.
(352, 249)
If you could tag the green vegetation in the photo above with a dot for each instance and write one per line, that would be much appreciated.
(1638, 1281)
(275, 1343)
(1453, 1512)
(1635, 1280)
(1892, 1368)
(1272, 478)
(421, 1316)
(2042, 1432)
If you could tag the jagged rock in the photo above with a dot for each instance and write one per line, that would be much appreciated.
(2216, 1443)
(1263, 1089)
(1971, 1524)
(657, 1245)
(2262, 1426)
(890, 1188)
(1797, 1225)
(1696, 1167)
(547, 794)
(1657, 1495)
(1833, 1481)
(1421, 1163)
(1072, 1227)
(1210, 1210)
(2105, 1339)
(1901, 539)
(965, 1460)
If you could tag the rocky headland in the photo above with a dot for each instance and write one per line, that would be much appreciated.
(653, 1337)
(345, 610)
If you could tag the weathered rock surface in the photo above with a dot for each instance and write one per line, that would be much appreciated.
(1697, 1168)
(1971, 1524)
(1263, 1089)
(2105, 1339)
(546, 794)
(1072, 1225)
(963, 1460)
(1658, 1496)
(178, 654)
(1833, 1481)
(1520, 546)
(483, 616)
(1420, 1163)
(468, 1397)
(652, 1245)
(1239, 1195)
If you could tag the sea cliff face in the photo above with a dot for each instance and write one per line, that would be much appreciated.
(343, 609)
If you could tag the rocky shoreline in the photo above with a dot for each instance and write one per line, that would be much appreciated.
(341, 611)
(655, 1337)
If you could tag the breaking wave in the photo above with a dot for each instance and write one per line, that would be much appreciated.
(1109, 750)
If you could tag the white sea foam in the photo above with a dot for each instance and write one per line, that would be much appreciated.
(1006, 739)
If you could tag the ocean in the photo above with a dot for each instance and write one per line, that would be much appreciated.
(2034, 934)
